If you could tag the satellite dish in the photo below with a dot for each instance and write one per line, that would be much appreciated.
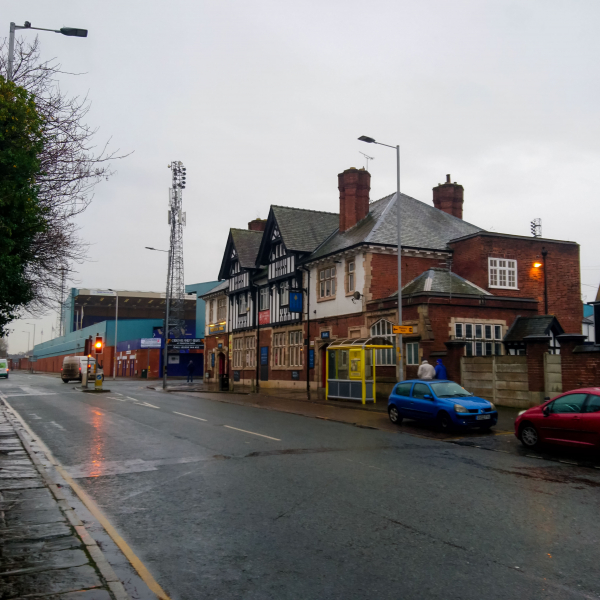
(356, 295)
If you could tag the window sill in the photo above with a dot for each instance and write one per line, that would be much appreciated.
(503, 287)
(326, 299)
(350, 294)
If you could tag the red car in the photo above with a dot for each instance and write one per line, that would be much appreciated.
(571, 419)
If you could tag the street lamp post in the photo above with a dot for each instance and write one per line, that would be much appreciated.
(399, 353)
(69, 31)
(116, 330)
(28, 338)
(166, 335)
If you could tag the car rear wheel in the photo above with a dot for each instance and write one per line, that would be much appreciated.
(395, 416)
(529, 436)
(444, 422)
(64, 380)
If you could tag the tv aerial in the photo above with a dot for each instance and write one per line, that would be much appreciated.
(368, 159)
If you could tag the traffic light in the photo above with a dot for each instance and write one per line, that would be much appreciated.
(99, 344)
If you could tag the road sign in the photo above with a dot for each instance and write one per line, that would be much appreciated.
(402, 329)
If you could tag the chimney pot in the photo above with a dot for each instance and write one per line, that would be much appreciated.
(257, 225)
(447, 178)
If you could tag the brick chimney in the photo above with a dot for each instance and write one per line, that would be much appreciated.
(257, 225)
(448, 197)
(354, 185)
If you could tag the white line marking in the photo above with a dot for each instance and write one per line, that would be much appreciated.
(190, 416)
(148, 404)
(34, 394)
(57, 425)
(130, 398)
(252, 433)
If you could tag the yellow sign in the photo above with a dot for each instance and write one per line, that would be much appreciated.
(402, 329)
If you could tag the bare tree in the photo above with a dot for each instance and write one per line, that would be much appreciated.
(71, 166)
(3, 347)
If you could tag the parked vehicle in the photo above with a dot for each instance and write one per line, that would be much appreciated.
(443, 402)
(4, 368)
(74, 366)
(571, 419)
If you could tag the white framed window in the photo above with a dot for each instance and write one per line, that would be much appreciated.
(238, 353)
(279, 349)
(242, 303)
(478, 348)
(412, 353)
(458, 330)
(284, 293)
(250, 351)
(221, 309)
(497, 332)
(296, 350)
(497, 349)
(478, 332)
(327, 282)
(502, 273)
(469, 331)
(211, 316)
(277, 251)
(384, 356)
(489, 348)
(487, 330)
(264, 298)
(351, 265)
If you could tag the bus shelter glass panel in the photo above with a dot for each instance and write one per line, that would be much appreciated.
(351, 369)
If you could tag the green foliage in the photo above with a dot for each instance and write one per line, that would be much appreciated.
(21, 216)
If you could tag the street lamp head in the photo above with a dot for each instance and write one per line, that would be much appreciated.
(366, 138)
(73, 32)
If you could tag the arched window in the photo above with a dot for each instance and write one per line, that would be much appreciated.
(383, 329)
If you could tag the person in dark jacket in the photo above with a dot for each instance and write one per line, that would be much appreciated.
(440, 370)
(190, 370)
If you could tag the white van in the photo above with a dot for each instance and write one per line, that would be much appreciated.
(74, 366)
(4, 368)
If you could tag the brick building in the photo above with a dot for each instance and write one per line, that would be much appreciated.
(304, 278)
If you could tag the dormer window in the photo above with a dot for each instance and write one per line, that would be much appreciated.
(235, 267)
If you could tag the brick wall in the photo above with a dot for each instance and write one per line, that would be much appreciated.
(470, 261)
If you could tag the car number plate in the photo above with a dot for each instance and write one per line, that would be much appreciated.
(483, 417)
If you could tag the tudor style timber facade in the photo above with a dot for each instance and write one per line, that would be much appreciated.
(459, 283)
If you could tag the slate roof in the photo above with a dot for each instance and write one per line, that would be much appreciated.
(540, 325)
(224, 285)
(303, 230)
(438, 280)
(246, 243)
(423, 226)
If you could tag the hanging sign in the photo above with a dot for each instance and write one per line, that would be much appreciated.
(296, 301)
(402, 329)
(264, 317)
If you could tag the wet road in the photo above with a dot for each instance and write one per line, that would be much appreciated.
(226, 501)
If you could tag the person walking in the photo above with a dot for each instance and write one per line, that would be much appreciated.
(440, 370)
(190, 370)
(426, 371)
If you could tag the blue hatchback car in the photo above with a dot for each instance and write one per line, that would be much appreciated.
(443, 402)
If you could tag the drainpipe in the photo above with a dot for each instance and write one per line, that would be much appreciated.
(544, 254)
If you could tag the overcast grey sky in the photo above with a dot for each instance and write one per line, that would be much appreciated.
(263, 100)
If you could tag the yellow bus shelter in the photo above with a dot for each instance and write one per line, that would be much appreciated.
(351, 369)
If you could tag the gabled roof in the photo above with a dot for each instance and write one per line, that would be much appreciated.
(246, 243)
(423, 226)
(301, 230)
(438, 280)
(538, 326)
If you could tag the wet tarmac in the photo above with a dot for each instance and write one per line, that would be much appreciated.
(226, 500)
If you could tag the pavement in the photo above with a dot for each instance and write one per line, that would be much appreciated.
(45, 550)
(234, 496)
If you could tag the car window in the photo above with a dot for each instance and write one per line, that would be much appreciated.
(571, 403)
(420, 390)
(449, 389)
(593, 404)
(403, 389)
